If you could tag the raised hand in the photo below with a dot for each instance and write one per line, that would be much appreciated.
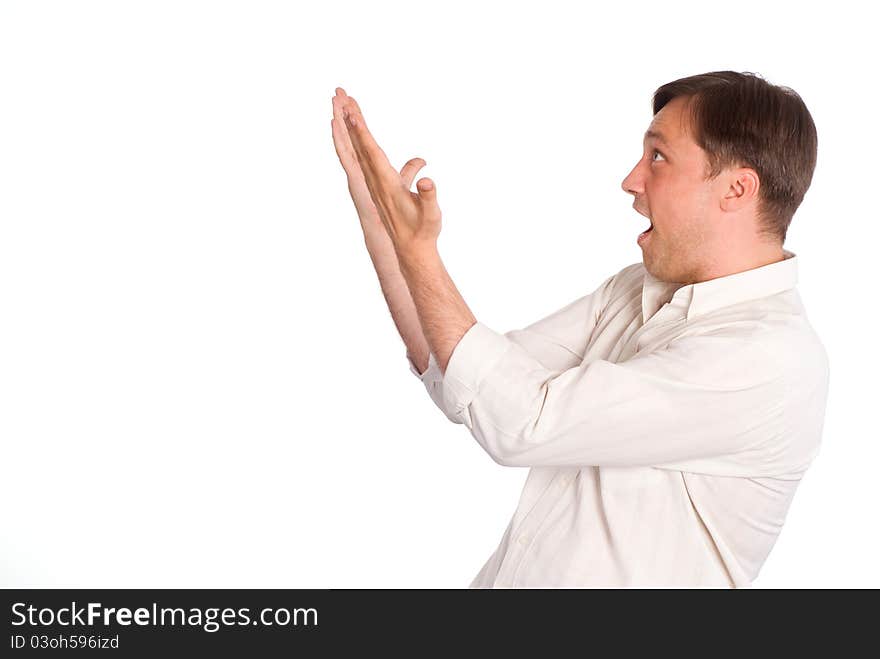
(357, 185)
(410, 218)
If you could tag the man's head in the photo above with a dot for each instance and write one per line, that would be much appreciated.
(726, 161)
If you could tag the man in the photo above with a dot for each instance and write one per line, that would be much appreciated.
(668, 416)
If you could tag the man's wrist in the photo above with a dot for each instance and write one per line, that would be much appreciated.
(416, 254)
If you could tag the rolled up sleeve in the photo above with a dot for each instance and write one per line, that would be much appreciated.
(557, 341)
(432, 378)
(714, 403)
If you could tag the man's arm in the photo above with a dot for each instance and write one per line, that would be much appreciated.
(378, 241)
(727, 402)
(398, 298)
(443, 314)
(412, 221)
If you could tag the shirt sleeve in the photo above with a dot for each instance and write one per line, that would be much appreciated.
(432, 378)
(716, 403)
(557, 341)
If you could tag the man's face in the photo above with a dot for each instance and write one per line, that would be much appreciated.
(669, 187)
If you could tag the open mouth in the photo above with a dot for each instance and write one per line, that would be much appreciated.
(650, 228)
(644, 234)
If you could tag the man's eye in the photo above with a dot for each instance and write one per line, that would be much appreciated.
(659, 154)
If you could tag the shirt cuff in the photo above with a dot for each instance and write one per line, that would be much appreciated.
(431, 372)
(472, 359)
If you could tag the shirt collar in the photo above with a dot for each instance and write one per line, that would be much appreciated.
(705, 296)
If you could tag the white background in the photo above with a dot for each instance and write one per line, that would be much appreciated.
(200, 384)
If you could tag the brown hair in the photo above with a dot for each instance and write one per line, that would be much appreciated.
(741, 120)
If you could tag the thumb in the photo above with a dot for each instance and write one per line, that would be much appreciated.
(427, 191)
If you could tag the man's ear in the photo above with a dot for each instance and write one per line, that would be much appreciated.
(742, 190)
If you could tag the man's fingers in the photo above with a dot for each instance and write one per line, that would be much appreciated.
(410, 169)
(341, 138)
(428, 194)
(371, 156)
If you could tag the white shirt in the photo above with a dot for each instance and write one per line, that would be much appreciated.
(666, 427)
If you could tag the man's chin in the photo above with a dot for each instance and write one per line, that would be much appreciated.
(651, 267)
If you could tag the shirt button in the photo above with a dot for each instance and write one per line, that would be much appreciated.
(523, 540)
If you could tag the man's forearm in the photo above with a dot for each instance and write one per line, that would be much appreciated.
(398, 298)
(443, 314)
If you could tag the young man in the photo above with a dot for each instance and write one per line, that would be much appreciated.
(668, 416)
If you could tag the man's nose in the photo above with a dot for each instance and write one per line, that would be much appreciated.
(633, 182)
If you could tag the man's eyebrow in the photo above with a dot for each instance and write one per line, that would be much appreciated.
(657, 136)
